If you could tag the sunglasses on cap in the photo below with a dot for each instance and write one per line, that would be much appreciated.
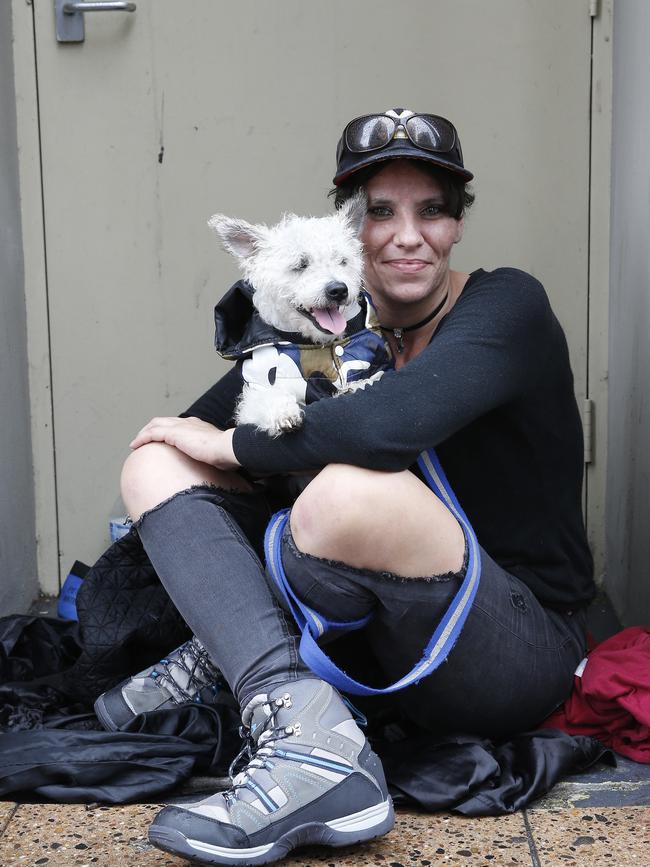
(429, 132)
(399, 133)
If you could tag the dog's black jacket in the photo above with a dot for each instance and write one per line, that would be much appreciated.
(310, 370)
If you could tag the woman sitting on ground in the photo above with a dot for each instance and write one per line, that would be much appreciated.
(482, 375)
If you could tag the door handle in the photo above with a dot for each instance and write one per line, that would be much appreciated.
(101, 6)
(69, 16)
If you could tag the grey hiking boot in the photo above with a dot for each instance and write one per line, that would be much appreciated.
(185, 675)
(310, 778)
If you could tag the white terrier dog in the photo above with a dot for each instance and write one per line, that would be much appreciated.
(298, 324)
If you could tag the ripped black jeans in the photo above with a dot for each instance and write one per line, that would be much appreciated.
(511, 666)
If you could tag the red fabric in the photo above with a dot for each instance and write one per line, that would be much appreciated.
(611, 701)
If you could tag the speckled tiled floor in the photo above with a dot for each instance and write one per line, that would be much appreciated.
(618, 836)
(599, 819)
(78, 836)
(62, 835)
(72, 835)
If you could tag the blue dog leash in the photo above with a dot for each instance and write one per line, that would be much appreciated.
(312, 625)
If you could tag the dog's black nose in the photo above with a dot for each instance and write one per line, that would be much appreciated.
(336, 291)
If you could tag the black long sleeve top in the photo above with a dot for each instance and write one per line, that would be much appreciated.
(493, 393)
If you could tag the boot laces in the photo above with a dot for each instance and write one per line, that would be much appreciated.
(257, 750)
(192, 659)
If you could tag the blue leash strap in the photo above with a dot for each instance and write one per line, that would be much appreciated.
(312, 625)
(305, 617)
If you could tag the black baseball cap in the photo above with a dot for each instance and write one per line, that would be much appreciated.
(399, 133)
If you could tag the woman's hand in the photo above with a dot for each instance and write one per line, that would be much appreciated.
(197, 439)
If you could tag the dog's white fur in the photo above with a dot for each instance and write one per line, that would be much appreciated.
(290, 265)
(270, 257)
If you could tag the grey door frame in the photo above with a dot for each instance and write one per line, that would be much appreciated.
(598, 278)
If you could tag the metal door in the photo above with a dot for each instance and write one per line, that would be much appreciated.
(162, 116)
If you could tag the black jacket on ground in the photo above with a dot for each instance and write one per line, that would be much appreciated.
(52, 745)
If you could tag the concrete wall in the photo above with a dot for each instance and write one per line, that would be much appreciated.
(18, 580)
(628, 474)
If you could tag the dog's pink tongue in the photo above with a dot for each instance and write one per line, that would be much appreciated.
(330, 319)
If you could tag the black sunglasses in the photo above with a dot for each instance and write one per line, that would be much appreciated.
(428, 132)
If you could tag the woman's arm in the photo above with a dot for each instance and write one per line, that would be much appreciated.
(488, 352)
(196, 438)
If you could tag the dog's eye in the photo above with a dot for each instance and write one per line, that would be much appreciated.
(344, 262)
(302, 264)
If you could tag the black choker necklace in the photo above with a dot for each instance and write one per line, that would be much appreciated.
(398, 333)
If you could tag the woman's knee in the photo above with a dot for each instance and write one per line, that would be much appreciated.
(379, 521)
(332, 503)
(156, 471)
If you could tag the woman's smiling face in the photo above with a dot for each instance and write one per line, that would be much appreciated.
(407, 237)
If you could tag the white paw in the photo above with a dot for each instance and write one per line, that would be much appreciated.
(285, 423)
(269, 409)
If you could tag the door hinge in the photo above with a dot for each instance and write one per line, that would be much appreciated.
(594, 8)
(588, 429)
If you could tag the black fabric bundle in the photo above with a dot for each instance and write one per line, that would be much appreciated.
(53, 746)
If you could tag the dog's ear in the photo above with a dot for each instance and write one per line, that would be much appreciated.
(238, 237)
(354, 210)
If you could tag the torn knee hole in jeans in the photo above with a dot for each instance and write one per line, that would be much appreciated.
(380, 575)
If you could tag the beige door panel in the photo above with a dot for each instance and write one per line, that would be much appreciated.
(165, 115)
